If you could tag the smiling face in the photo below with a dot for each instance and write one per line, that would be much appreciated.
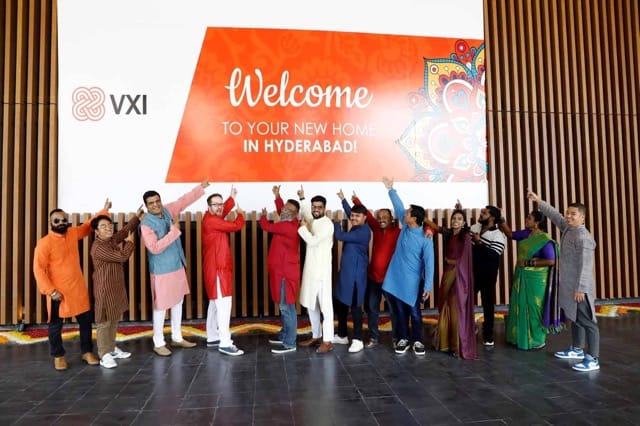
(457, 221)
(384, 218)
(317, 209)
(104, 230)
(530, 222)
(357, 219)
(154, 205)
(574, 217)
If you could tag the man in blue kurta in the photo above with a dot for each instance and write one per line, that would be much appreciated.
(411, 265)
(352, 279)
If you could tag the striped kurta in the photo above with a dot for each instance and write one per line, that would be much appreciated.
(108, 258)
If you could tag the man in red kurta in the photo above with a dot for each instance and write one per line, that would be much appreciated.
(284, 269)
(218, 269)
(56, 266)
(385, 236)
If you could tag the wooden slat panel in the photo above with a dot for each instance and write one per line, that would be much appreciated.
(562, 88)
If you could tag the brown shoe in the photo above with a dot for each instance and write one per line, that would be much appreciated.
(162, 350)
(182, 344)
(59, 363)
(90, 358)
(325, 347)
(310, 342)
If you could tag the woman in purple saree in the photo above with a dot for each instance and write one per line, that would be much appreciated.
(455, 332)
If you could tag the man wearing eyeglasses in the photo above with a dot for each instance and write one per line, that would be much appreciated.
(56, 266)
(160, 230)
(218, 269)
(109, 252)
(316, 230)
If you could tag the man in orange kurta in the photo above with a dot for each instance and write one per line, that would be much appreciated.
(56, 266)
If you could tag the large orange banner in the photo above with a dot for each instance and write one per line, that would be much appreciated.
(299, 105)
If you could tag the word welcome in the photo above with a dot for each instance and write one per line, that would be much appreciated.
(253, 90)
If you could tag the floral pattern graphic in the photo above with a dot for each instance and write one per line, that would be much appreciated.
(446, 138)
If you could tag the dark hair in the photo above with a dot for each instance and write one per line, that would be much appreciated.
(319, 198)
(149, 194)
(448, 232)
(418, 213)
(465, 228)
(213, 196)
(295, 203)
(359, 209)
(55, 211)
(96, 220)
(581, 207)
(540, 219)
(494, 212)
(387, 210)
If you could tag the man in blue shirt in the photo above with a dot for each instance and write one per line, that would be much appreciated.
(411, 264)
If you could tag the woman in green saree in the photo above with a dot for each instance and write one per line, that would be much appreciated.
(533, 283)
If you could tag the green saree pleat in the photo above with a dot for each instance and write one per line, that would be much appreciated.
(524, 323)
(524, 326)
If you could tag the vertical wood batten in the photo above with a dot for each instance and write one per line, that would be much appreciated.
(562, 93)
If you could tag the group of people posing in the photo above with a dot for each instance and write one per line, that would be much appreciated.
(550, 282)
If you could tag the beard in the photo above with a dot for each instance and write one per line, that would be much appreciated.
(286, 216)
(60, 229)
(484, 222)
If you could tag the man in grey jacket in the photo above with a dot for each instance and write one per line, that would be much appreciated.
(576, 283)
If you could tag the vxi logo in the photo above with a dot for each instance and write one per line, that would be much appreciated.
(89, 104)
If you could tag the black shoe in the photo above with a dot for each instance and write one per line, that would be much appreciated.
(275, 340)
(402, 346)
(282, 349)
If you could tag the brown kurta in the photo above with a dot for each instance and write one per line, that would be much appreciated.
(108, 258)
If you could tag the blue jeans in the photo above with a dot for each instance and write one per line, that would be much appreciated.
(403, 313)
(372, 298)
(289, 330)
(391, 305)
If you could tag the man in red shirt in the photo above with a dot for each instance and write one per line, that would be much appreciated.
(218, 269)
(385, 236)
(284, 269)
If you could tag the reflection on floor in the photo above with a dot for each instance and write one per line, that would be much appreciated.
(374, 387)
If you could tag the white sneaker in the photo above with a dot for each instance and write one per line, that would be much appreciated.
(340, 340)
(356, 346)
(120, 354)
(107, 361)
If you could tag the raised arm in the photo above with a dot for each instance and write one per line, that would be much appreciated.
(371, 219)
(345, 204)
(548, 210)
(305, 206)
(506, 229)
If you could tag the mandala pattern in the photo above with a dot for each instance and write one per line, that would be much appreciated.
(446, 138)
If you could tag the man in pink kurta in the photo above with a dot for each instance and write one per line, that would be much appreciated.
(160, 231)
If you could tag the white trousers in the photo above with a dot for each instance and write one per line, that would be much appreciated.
(324, 328)
(218, 319)
(176, 324)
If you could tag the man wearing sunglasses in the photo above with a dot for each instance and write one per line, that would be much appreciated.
(56, 266)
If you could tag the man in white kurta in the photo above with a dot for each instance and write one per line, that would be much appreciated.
(315, 293)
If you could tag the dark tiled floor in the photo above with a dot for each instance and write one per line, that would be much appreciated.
(375, 387)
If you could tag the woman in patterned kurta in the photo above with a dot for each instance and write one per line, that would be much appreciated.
(109, 252)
